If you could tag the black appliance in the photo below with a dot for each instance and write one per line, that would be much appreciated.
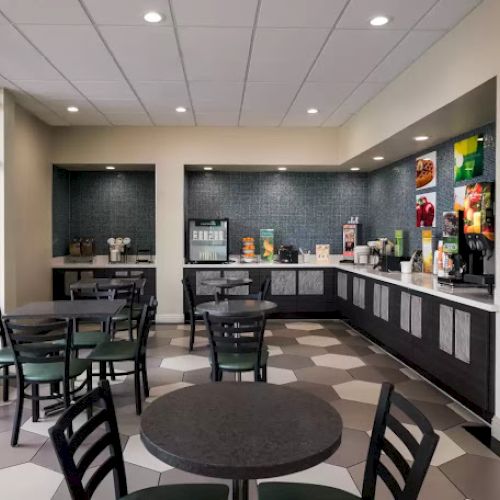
(288, 254)
(207, 241)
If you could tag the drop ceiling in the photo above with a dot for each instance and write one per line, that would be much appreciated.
(229, 62)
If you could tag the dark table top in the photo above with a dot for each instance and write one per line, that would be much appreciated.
(242, 430)
(237, 307)
(69, 309)
(227, 282)
(94, 282)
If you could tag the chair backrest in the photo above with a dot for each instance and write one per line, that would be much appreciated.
(66, 447)
(148, 315)
(3, 335)
(124, 290)
(264, 288)
(189, 293)
(33, 343)
(235, 335)
(408, 486)
(92, 293)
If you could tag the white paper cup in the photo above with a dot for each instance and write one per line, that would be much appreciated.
(405, 266)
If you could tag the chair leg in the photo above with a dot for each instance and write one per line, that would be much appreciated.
(102, 370)
(263, 377)
(90, 409)
(145, 382)
(137, 383)
(112, 370)
(35, 403)
(19, 413)
(5, 375)
(192, 324)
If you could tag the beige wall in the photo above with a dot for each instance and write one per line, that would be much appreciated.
(28, 216)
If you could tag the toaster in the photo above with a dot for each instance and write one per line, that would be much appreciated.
(288, 254)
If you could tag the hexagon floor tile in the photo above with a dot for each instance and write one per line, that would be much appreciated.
(135, 453)
(340, 361)
(290, 361)
(199, 342)
(276, 376)
(359, 390)
(322, 391)
(355, 415)
(378, 374)
(30, 443)
(199, 327)
(353, 450)
(275, 350)
(28, 481)
(323, 474)
(161, 390)
(304, 326)
(44, 424)
(318, 341)
(422, 391)
(323, 375)
(185, 363)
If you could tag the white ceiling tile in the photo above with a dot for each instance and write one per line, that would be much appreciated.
(350, 55)
(3, 20)
(126, 13)
(38, 109)
(6, 84)
(446, 14)
(129, 119)
(145, 52)
(217, 119)
(59, 106)
(118, 105)
(77, 51)
(44, 11)
(105, 90)
(20, 61)
(215, 54)
(272, 99)
(87, 118)
(284, 55)
(214, 12)
(49, 89)
(402, 13)
(300, 13)
(211, 97)
(325, 97)
(165, 117)
(252, 119)
(364, 93)
(409, 50)
(167, 95)
(338, 118)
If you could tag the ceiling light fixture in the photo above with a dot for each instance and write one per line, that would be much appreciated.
(282, 169)
(110, 167)
(355, 169)
(421, 138)
(72, 109)
(180, 109)
(208, 168)
(312, 111)
(379, 20)
(153, 17)
(378, 158)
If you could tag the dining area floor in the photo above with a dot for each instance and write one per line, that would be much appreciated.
(325, 358)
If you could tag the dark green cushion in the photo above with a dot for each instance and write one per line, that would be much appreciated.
(122, 350)
(120, 325)
(181, 492)
(301, 491)
(52, 372)
(241, 362)
(6, 356)
(86, 340)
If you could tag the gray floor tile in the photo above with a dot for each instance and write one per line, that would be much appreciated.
(323, 375)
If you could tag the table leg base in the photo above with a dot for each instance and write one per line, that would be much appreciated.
(240, 489)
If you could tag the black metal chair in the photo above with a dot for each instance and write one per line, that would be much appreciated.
(412, 474)
(193, 313)
(40, 358)
(105, 418)
(260, 295)
(129, 350)
(236, 345)
(6, 361)
(128, 318)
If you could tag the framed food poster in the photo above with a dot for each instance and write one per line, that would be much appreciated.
(322, 253)
(450, 232)
(469, 158)
(426, 209)
(426, 171)
(459, 198)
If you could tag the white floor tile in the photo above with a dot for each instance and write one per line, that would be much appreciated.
(359, 390)
(29, 481)
(340, 361)
(318, 341)
(185, 363)
(44, 424)
(276, 376)
(135, 453)
(306, 326)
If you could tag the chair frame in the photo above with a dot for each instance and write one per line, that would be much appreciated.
(260, 295)
(189, 294)
(226, 335)
(23, 338)
(5, 375)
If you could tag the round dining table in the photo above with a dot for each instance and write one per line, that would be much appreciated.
(241, 431)
(237, 307)
(226, 283)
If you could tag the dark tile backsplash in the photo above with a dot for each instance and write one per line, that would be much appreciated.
(309, 208)
(101, 205)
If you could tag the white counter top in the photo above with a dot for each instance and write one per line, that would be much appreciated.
(420, 282)
(99, 261)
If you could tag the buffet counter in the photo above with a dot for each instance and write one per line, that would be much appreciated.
(101, 262)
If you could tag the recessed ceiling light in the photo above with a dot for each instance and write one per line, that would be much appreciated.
(379, 20)
(420, 138)
(208, 168)
(281, 169)
(355, 169)
(153, 17)
(180, 109)
(480, 139)
(312, 111)
(378, 158)
(72, 109)
(110, 167)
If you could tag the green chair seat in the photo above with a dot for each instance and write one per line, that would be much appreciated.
(122, 350)
(136, 312)
(241, 362)
(6, 356)
(53, 372)
(181, 492)
(123, 324)
(87, 340)
(301, 491)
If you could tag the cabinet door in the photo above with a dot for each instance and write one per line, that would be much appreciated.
(446, 328)
(404, 313)
(416, 316)
(311, 282)
(238, 274)
(201, 276)
(342, 285)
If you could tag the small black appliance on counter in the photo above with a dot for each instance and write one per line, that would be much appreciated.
(288, 254)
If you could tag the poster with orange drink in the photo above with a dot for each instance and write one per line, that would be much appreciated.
(478, 209)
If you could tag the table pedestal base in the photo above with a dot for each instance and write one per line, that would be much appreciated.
(240, 489)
